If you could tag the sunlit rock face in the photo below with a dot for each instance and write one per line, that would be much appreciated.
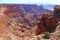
(2, 10)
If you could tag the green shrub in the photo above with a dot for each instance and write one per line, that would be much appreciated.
(58, 34)
(46, 35)
(38, 38)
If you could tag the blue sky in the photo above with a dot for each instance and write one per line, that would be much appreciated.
(31, 1)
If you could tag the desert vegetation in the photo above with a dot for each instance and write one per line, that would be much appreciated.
(46, 35)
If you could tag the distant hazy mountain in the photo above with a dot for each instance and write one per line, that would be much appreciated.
(49, 7)
(31, 8)
(43, 9)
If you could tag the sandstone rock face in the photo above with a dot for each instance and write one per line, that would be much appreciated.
(14, 25)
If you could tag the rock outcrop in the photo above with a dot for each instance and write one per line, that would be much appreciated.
(57, 12)
(48, 23)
